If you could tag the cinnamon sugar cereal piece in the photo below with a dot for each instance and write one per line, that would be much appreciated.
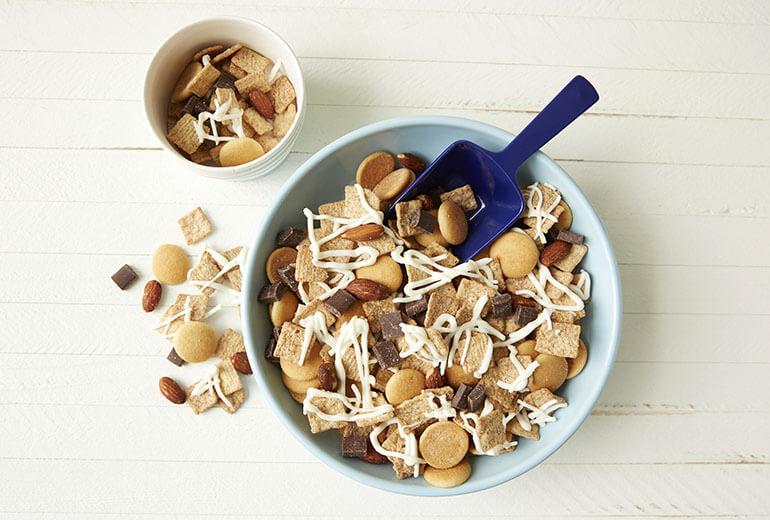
(353, 206)
(236, 399)
(195, 226)
(491, 430)
(479, 351)
(205, 270)
(433, 250)
(517, 429)
(197, 303)
(250, 61)
(283, 121)
(463, 197)
(226, 53)
(282, 94)
(234, 275)
(469, 291)
(201, 403)
(208, 50)
(184, 136)
(203, 80)
(549, 198)
(254, 80)
(415, 413)
(441, 301)
(223, 95)
(229, 343)
(502, 398)
(383, 244)
(257, 122)
(289, 345)
(267, 141)
(229, 380)
(551, 290)
(407, 217)
(539, 397)
(377, 308)
(394, 442)
(573, 258)
(563, 340)
(234, 70)
(313, 307)
(519, 284)
(306, 271)
(413, 361)
(329, 406)
(368, 422)
(566, 316)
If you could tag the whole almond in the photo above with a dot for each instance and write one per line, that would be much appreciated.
(411, 161)
(367, 290)
(171, 390)
(327, 377)
(554, 252)
(434, 379)
(241, 362)
(151, 295)
(262, 104)
(364, 232)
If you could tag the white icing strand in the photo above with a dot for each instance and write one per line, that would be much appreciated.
(227, 265)
(470, 424)
(409, 456)
(276, 71)
(206, 59)
(518, 335)
(211, 383)
(442, 410)
(520, 383)
(535, 209)
(315, 327)
(303, 296)
(438, 274)
(447, 324)
(583, 286)
(212, 311)
(541, 415)
(420, 344)
(223, 112)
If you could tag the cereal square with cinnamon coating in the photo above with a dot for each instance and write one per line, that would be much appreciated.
(441, 301)
(195, 226)
(375, 309)
(562, 339)
(184, 135)
(539, 397)
(328, 406)
(230, 342)
(254, 80)
(407, 217)
(234, 275)
(306, 271)
(414, 413)
(259, 124)
(436, 250)
(201, 403)
(236, 399)
(250, 60)
(289, 345)
(197, 303)
(283, 121)
(478, 355)
(470, 291)
(353, 206)
(463, 197)
(549, 198)
(204, 271)
(203, 80)
(313, 307)
(282, 94)
(228, 377)
(517, 429)
(573, 258)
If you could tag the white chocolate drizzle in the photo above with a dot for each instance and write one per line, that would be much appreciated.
(542, 414)
(315, 327)
(441, 410)
(438, 274)
(410, 455)
(227, 266)
(447, 324)
(470, 424)
(520, 383)
(211, 383)
(583, 286)
(420, 345)
(222, 112)
(535, 208)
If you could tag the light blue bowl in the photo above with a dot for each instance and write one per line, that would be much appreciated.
(321, 179)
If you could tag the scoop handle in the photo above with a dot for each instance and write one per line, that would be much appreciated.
(574, 99)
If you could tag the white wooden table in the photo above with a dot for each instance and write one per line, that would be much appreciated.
(676, 158)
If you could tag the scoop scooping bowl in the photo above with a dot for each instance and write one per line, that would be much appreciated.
(492, 175)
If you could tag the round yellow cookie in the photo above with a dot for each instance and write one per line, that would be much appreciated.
(452, 222)
(307, 370)
(450, 477)
(284, 309)
(403, 385)
(394, 183)
(182, 88)
(443, 444)
(374, 168)
(527, 348)
(456, 376)
(240, 151)
(170, 264)
(576, 365)
(516, 252)
(195, 341)
(551, 373)
(384, 271)
(298, 387)
(279, 258)
(565, 218)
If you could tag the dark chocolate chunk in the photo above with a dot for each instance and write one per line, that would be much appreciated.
(390, 323)
(524, 315)
(225, 80)
(460, 399)
(270, 347)
(420, 319)
(412, 309)
(476, 397)
(502, 305)
(174, 358)
(426, 222)
(291, 237)
(339, 302)
(272, 293)
(287, 274)
(552, 235)
(387, 354)
(124, 277)
(195, 106)
(354, 446)
(569, 236)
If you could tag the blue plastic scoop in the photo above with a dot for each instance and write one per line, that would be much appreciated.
(492, 175)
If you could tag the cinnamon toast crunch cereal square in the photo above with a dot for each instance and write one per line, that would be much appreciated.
(289, 345)
(573, 258)
(250, 61)
(375, 309)
(201, 403)
(195, 226)
(328, 406)
(235, 399)
(229, 343)
(283, 121)
(184, 135)
(306, 271)
(563, 340)
(463, 197)
(441, 301)
(282, 94)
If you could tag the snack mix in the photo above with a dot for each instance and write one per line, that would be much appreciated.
(413, 357)
(230, 106)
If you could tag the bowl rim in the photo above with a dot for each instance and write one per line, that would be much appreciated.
(395, 486)
(241, 171)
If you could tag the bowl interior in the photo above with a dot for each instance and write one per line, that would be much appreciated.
(174, 55)
(320, 180)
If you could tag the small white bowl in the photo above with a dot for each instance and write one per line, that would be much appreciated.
(172, 57)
